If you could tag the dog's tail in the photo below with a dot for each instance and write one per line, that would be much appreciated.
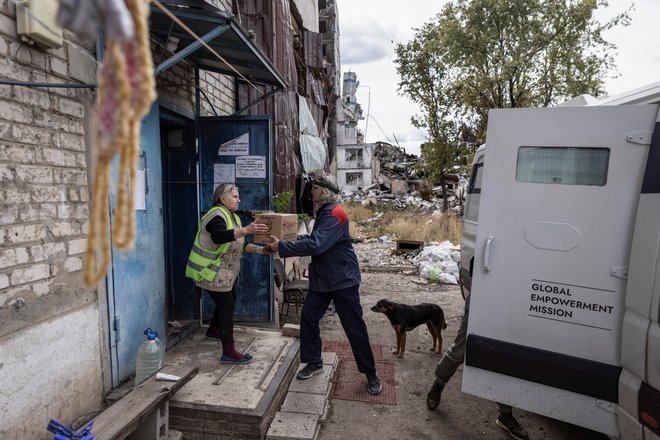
(444, 323)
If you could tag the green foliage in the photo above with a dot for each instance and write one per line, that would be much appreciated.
(476, 55)
(302, 217)
(281, 201)
(523, 53)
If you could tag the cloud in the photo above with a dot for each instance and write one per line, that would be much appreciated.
(365, 52)
(368, 29)
(365, 42)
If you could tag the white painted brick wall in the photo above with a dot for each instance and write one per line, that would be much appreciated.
(44, 191)
(44, 221)
(13, 257)
(32, 273)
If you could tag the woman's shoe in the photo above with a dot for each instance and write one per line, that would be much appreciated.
(246, 359)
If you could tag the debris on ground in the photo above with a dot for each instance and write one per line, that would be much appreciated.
(436, 263)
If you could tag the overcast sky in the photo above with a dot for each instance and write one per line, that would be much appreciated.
(369, 30)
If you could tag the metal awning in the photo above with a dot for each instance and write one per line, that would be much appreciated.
(221, 32)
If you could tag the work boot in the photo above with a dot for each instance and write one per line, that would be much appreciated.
(433, 396)
(509, 423)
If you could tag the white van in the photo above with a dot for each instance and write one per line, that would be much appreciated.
(563, 264)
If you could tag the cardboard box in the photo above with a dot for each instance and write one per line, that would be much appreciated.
(282, 226)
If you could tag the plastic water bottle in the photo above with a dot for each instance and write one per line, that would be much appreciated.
(149, 357)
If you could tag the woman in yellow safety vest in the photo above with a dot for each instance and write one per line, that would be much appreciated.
(215, 262)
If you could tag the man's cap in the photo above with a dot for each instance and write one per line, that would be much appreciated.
(321, 178)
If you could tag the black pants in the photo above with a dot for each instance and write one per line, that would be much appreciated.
(347, 305)
(223, 315)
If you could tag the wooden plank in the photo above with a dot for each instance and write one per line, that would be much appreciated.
(124, 416)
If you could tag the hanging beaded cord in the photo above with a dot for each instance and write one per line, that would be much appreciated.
(126, 91)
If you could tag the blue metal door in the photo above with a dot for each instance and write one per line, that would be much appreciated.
(238, 149)
(136, 281)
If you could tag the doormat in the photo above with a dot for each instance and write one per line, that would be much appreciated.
(351, 385)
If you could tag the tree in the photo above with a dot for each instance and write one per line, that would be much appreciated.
(424, 79)
(482, 54)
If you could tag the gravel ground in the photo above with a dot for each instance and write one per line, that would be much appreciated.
(459, 416)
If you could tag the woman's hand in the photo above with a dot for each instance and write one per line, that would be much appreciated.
(254, 228)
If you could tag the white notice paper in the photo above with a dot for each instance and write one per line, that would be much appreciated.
(140, 191)
(223, 173)
(251, 166)
(236, 147)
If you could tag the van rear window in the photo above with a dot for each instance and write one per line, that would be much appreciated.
(563, 165)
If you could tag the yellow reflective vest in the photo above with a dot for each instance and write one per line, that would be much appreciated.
(204, 264)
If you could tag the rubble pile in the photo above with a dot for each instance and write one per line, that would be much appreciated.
(381, 252)
(399, 184)
(435, 263)
(395, 162)
(387, 200)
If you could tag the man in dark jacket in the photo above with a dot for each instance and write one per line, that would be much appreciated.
(334, 275)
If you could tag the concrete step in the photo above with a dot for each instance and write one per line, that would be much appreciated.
(225, 400)
(305, 406)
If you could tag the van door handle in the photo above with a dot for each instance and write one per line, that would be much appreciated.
(487, 254)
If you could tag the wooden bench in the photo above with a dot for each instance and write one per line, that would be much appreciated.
(142, 414)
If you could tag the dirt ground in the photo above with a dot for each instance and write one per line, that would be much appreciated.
(459, 416)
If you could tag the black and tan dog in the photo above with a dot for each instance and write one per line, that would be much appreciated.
(405, 318)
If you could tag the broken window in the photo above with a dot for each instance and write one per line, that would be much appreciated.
(354, 154)
(354, 179)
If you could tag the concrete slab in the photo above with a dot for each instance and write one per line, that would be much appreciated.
(232, 400)
(318, 384)
(293, 426)
(236, 386)
(304, 403)
(292, 330)
(330, 359)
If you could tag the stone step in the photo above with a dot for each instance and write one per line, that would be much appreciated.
(305, 406)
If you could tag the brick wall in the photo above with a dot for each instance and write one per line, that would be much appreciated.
(43, 169)
(50, 324)
(45, 154)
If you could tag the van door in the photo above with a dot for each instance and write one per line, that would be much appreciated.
(470, 218)
(639, 384)
(558, 202)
